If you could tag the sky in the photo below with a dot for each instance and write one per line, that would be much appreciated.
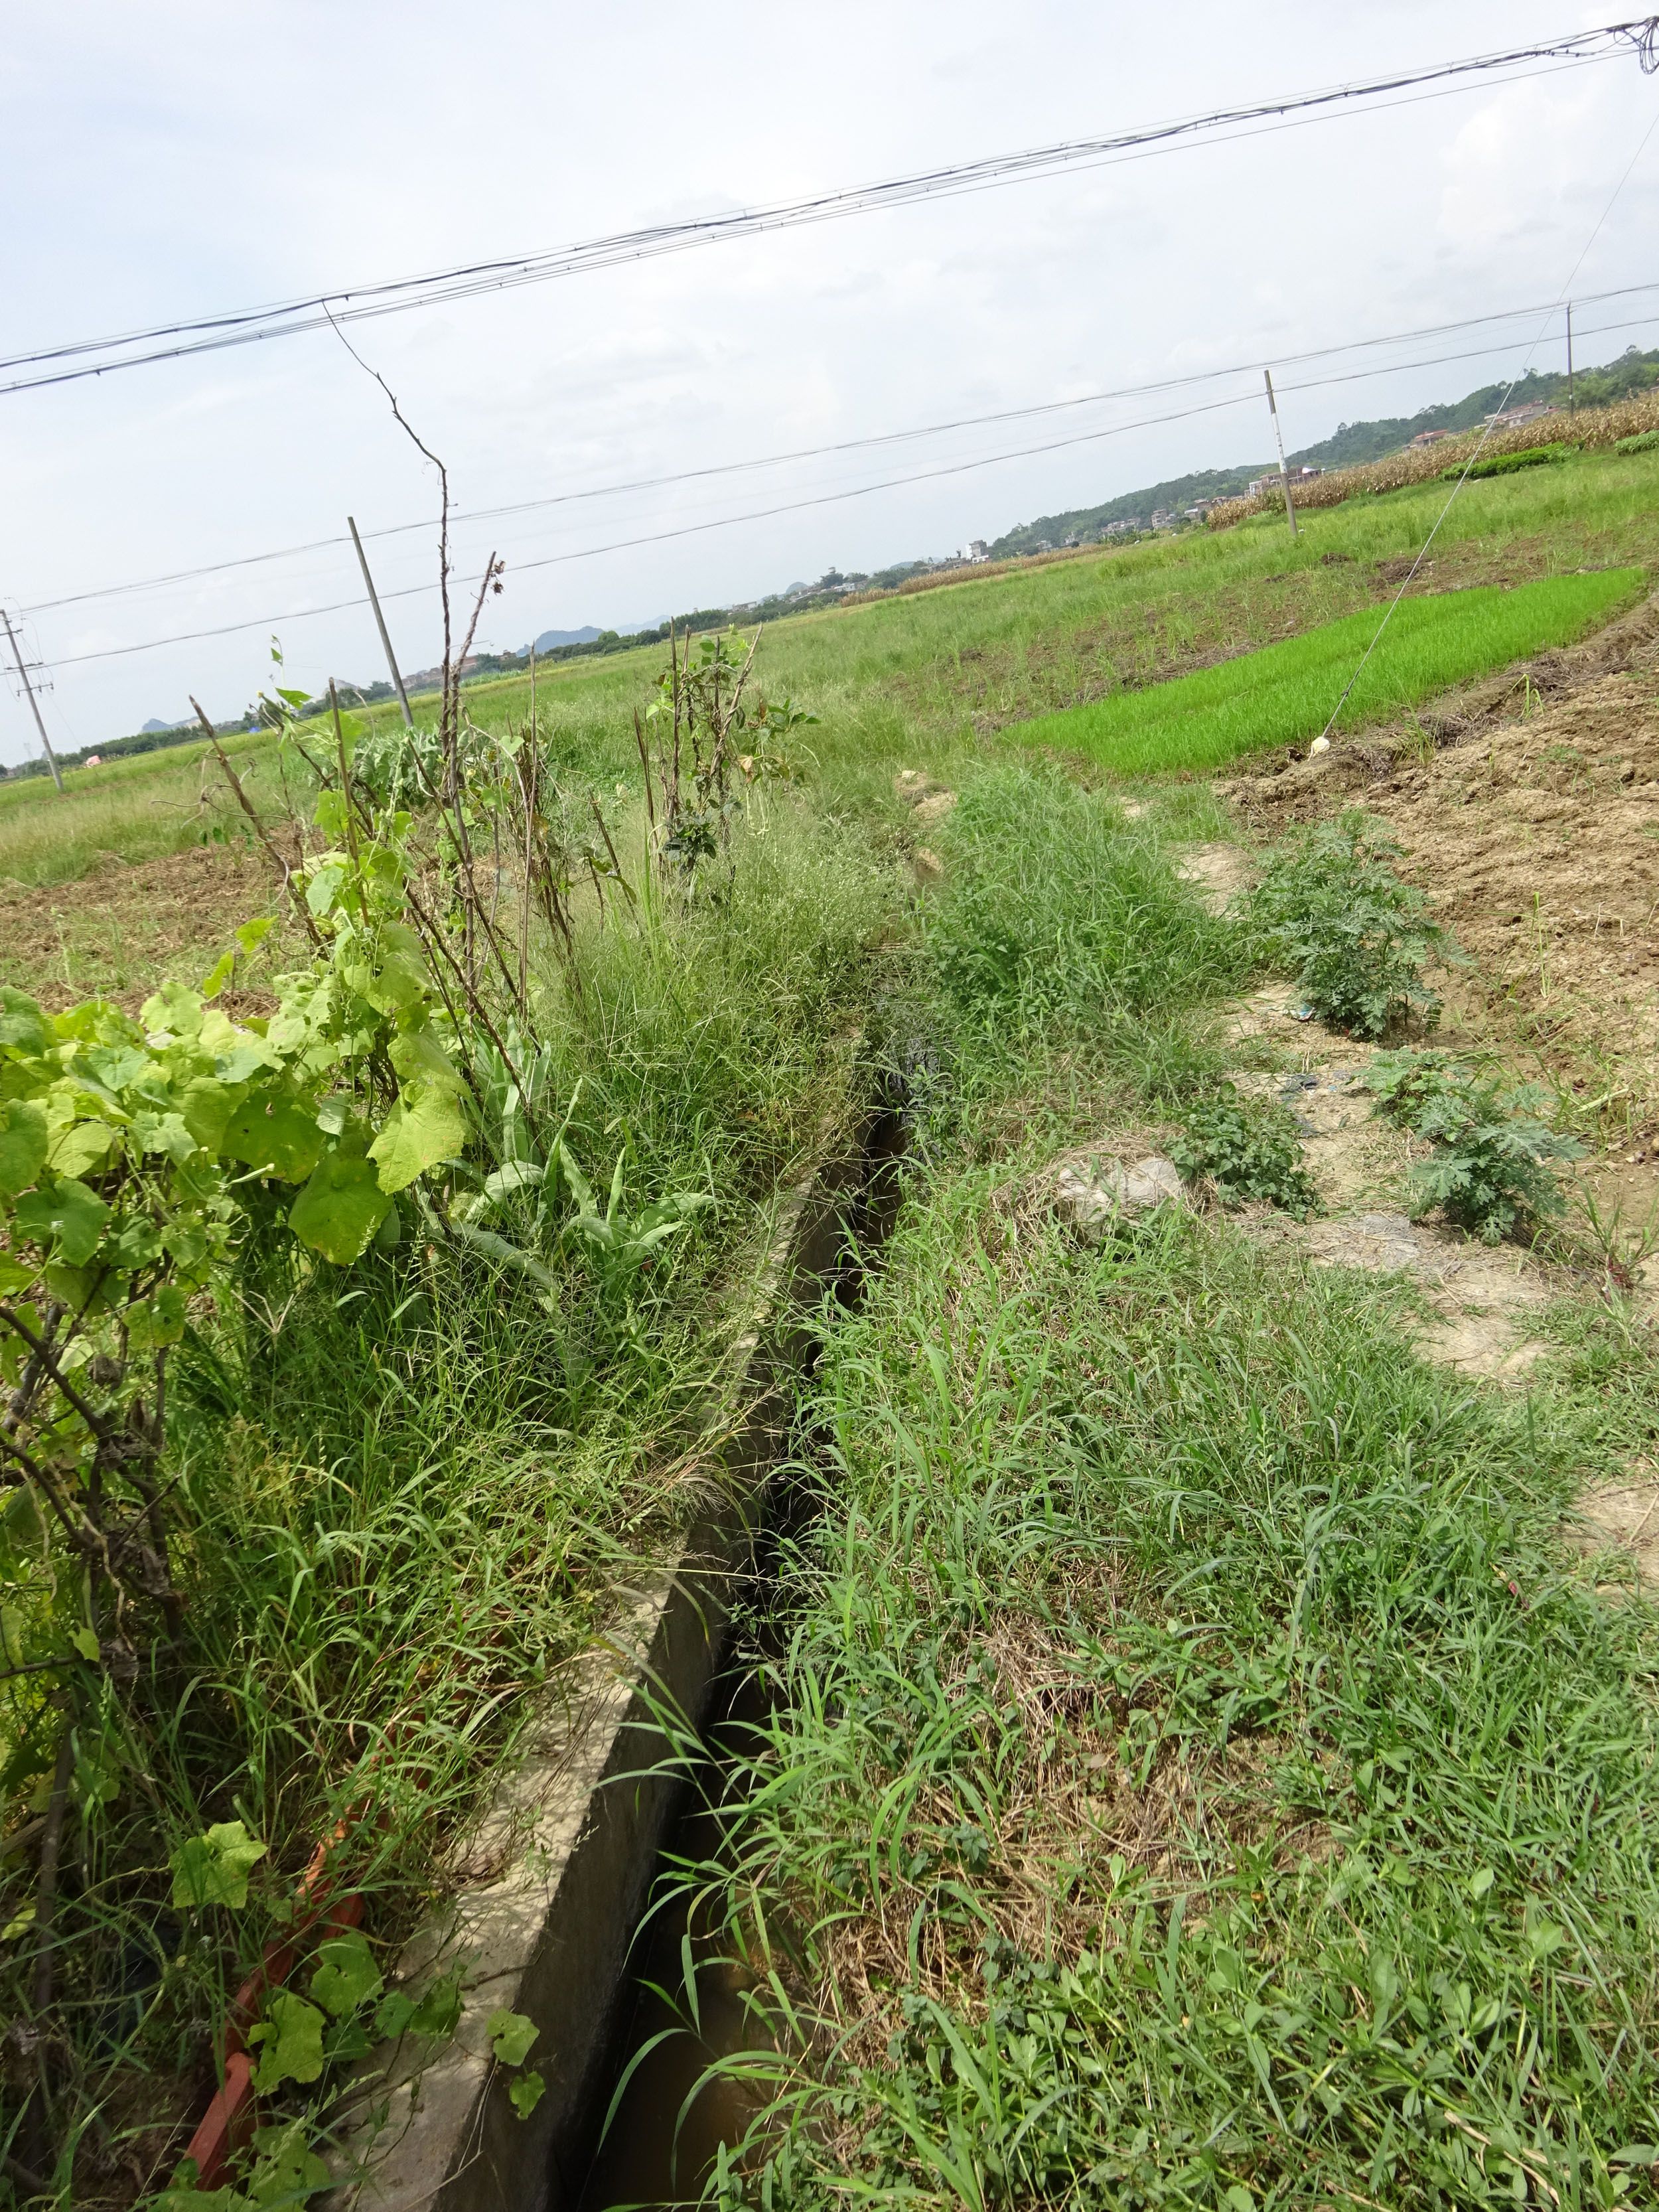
(187, 158)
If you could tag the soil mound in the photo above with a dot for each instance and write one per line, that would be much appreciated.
(1529, 810)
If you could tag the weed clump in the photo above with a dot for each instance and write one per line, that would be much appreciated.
(1053, 912)
(1249, 1150)
(1505, 464)
(1331, 910)
(1491, 1169)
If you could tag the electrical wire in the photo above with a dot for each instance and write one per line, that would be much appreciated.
(461, 517)
(103, 356)
(789, 507)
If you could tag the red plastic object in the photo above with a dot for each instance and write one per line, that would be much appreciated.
(227, 2124)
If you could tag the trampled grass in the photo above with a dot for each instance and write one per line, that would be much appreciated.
(1286, 694)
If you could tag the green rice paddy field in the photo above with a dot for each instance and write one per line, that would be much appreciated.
(1285, 694)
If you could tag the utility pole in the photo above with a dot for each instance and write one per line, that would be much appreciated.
(379, 619)
(1572, 402)
(1284, 473)
(29, 689)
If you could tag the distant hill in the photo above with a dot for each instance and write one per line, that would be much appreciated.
(1353, 442)
(1349, 444)
(153, 728)
(1079, 523)
(549, 638)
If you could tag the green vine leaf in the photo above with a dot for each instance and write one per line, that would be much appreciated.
(281, 1138)
(346, 1975)
(526, 2094)
(393, 2014)
(79, 1147)
(287, 2170)
(290, 2041)
(67, 1212)
(341, 1208)
(417, 1137)
(511, 2035)
(22, 1144)
(213, 1869)
(23, 1027)
(439, 2012)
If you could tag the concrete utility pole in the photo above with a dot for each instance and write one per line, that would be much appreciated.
(1572, 402)
(379, 619)
(28, 689)
(1284, 473)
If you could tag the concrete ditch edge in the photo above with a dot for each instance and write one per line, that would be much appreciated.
(564, 1855)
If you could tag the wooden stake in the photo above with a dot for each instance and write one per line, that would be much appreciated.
(1284, 472)
(379, 622)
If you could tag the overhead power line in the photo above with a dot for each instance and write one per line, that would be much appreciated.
(71, 360)
(882, 439)
(659, 537)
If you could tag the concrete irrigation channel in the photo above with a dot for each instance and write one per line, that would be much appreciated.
(559, 1874)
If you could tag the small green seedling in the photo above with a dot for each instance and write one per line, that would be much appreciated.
(1331, 910)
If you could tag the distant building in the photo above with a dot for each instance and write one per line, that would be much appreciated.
(975, 549)
(1045, 545)
(1516, 418)
(1428, 438)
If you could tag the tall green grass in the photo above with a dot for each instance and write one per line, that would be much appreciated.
(406, 1493)
(1198, 1775)
(139, 808)
(1056, 916)
(1287, 693)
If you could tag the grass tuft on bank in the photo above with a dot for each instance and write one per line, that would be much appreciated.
(1199, 1773)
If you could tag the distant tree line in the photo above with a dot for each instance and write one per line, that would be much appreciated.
(142, 741)
(1352, 443)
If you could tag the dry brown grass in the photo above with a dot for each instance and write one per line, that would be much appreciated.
(1087, 1799)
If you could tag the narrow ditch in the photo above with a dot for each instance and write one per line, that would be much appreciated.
(666, 2133)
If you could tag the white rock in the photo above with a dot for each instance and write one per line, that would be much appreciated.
(1092, 1201)
(1320, 745)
